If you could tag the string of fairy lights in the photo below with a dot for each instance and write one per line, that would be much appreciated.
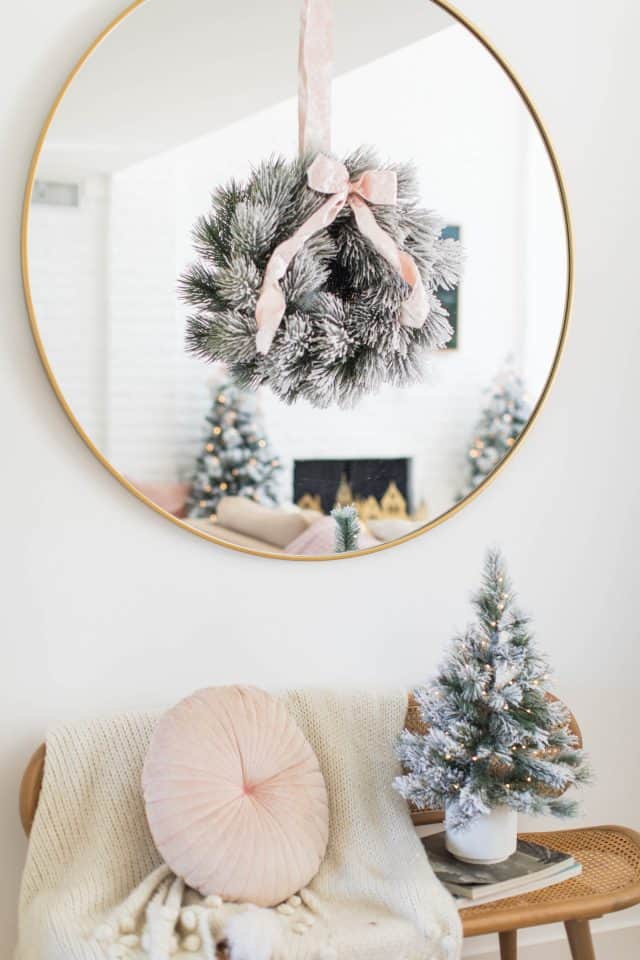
(489, 672)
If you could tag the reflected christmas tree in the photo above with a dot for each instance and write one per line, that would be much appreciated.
(506, 413)
(236, 459)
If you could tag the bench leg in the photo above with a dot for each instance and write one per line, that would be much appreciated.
(509, 945)
(580, 941)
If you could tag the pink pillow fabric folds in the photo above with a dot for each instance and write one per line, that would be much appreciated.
(235, 798)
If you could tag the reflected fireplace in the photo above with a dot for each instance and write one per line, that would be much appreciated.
(378, 487)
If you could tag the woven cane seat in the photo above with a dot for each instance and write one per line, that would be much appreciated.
(610, 880)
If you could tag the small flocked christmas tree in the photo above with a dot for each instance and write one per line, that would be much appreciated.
(503, 419)
(236, 459)
(347, 528)
(494, 736)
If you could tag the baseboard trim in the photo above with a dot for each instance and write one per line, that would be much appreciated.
(619, 942)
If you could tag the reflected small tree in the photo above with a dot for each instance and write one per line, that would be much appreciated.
(236, 459)
(347, 528)
(505, 415)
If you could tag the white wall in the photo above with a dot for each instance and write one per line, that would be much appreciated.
(107, 606)
(70, 290)
(141, 322)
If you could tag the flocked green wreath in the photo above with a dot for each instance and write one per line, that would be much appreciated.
(341, 336)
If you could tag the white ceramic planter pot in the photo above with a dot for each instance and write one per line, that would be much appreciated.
(490, 838)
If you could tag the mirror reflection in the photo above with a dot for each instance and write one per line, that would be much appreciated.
(143, 136)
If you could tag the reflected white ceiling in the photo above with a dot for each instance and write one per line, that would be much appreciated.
(174, 70)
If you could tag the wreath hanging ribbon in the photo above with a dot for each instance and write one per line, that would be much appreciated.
(329, 176)
(346, 339)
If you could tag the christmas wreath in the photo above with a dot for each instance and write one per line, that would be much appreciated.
(342, 334)
(315, 277)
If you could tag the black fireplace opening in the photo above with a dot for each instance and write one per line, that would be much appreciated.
(366, 478)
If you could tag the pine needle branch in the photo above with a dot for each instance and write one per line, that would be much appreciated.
(347, 529)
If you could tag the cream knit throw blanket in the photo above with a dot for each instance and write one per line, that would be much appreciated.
(94, 885)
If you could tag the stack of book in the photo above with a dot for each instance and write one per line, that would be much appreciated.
(531, 867)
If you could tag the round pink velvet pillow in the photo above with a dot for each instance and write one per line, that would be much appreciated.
(235, 798)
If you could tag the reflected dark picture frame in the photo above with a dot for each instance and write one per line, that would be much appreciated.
(450, 299)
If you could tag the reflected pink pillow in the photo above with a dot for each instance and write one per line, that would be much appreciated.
(172, 497)
(235, 798)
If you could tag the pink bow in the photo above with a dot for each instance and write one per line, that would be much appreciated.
(329, 176)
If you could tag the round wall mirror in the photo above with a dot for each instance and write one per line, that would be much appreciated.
(177, 99)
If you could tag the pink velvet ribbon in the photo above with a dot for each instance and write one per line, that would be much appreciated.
(315, 67)
(329, 176)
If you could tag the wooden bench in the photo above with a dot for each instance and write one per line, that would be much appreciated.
(610, 878)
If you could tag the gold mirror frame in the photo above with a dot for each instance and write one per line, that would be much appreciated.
(446, 6)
